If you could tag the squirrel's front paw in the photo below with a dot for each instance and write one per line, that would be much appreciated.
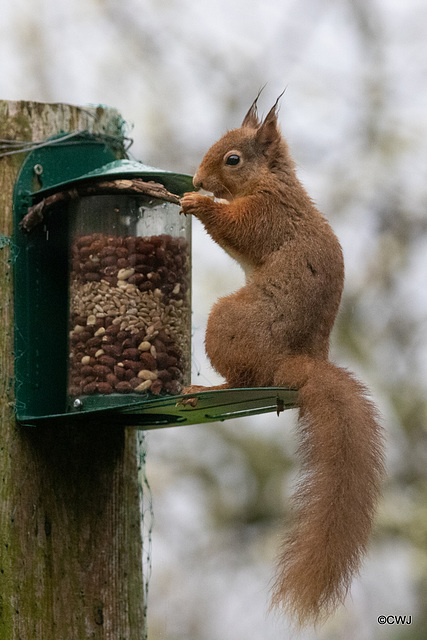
(191, 202)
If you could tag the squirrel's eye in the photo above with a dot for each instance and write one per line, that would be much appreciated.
(232, 159)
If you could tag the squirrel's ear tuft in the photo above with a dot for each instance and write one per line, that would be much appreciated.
(268, 131)
(251, 118)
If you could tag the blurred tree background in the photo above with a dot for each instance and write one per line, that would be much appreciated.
(355, 115)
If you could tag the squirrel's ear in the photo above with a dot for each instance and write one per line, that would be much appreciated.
(269, 131)
(251, 118)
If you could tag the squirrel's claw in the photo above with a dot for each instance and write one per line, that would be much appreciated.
(188, 402)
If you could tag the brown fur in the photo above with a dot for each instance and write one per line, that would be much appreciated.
(275, 331)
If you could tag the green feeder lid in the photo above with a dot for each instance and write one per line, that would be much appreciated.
(174, 182)
(61, 162)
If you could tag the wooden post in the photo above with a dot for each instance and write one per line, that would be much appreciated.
(70, 535)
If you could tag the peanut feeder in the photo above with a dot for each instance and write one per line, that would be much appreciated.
(102, 282)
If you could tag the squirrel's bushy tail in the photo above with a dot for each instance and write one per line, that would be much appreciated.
(341, 450)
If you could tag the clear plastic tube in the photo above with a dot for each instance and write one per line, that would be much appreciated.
(130, 298)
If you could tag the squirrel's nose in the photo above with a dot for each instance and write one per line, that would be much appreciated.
(198, 184)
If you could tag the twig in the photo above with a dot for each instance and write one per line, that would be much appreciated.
(37, 212)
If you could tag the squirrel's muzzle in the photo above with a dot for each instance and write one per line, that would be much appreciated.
(197, 183)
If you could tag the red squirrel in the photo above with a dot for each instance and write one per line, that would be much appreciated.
(274, 331)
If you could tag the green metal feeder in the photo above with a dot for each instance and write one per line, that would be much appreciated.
(102, 286)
